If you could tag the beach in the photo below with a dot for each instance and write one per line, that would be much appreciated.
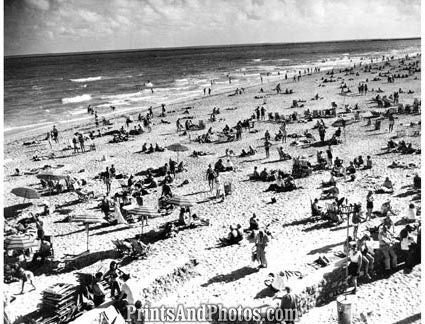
(225, 275)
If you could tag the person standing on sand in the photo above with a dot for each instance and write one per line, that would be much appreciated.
(329, 156)
(267, 145)
(263, 113)
(288, 305)
(210, 177)
(391, 123)
(261, 242)
(355, 257)
(107, 181)
(369, 205)
(55, 134)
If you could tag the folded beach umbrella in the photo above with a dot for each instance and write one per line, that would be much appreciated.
(25, 192)
(87, 220)
(180, 201)
(20, 242)
(143, 211)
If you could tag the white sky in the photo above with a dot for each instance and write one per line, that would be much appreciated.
(53, 26)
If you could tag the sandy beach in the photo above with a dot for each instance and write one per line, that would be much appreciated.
(225, 274)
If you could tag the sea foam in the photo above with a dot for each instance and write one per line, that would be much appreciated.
(84, 97)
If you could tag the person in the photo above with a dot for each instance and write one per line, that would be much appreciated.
(25, 275)
(166, 190)
(406, 243)
(367, 256)
(98, 290)
(126, 291)
(43, 253)
(261, 242)
(316, 210)
(417, 181)
(289, 306)
(183, 220)
(253, 223)
(267, 145)
(386, 246)
(329, 156)
(386, 208)
(411, 213)
(219, 187)
(368, 163)
(390, 123)
(55, 134)
(107, 181)
(113, 274)
(40, 228)
(388, 185)
(355, 257)
(104, 206)
(210, 177)
(369, 205)
(138, 316)
(229, 165)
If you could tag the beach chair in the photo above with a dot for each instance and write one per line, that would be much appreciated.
(140, 250)
(84, 196)
(122, 247)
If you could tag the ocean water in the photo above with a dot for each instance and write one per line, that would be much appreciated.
(42, 90)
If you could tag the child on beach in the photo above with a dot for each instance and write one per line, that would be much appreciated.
(25, 276)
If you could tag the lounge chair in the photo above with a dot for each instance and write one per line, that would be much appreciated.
(84, 196)
(140, 250)
(122, 247)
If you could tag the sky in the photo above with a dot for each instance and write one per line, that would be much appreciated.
(57, 26)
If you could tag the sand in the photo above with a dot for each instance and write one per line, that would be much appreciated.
(225, 275)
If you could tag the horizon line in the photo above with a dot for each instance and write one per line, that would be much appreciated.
(165, 48)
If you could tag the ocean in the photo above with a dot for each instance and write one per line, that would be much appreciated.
(55, 89)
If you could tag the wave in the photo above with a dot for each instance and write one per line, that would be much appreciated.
(257, 60)
(84, 97)
(90, 79)
(77, 112)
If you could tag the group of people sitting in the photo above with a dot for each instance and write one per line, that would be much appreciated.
(267, 176)
(151, 148)
(401, 147)
(282, 184)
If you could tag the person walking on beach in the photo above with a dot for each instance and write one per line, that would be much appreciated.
(150, 112)
(261, 242)
(209, 91)
(210, 177)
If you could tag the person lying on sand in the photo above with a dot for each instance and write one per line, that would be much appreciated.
(234, 237)
(255, 175)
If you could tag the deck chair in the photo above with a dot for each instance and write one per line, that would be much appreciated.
(83, 196)
(140, 250)
(122, 247)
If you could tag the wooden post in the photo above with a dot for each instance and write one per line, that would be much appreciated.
(88, 235)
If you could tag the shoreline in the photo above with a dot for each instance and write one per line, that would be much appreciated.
(27, 132)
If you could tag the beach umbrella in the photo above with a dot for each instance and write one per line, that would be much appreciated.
(20, 242)
(177, 147)
(49, 175)
(142, 211)
(180, 201)
(87, 220)
(26, 193)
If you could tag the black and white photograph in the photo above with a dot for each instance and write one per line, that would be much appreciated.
(211, 161)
